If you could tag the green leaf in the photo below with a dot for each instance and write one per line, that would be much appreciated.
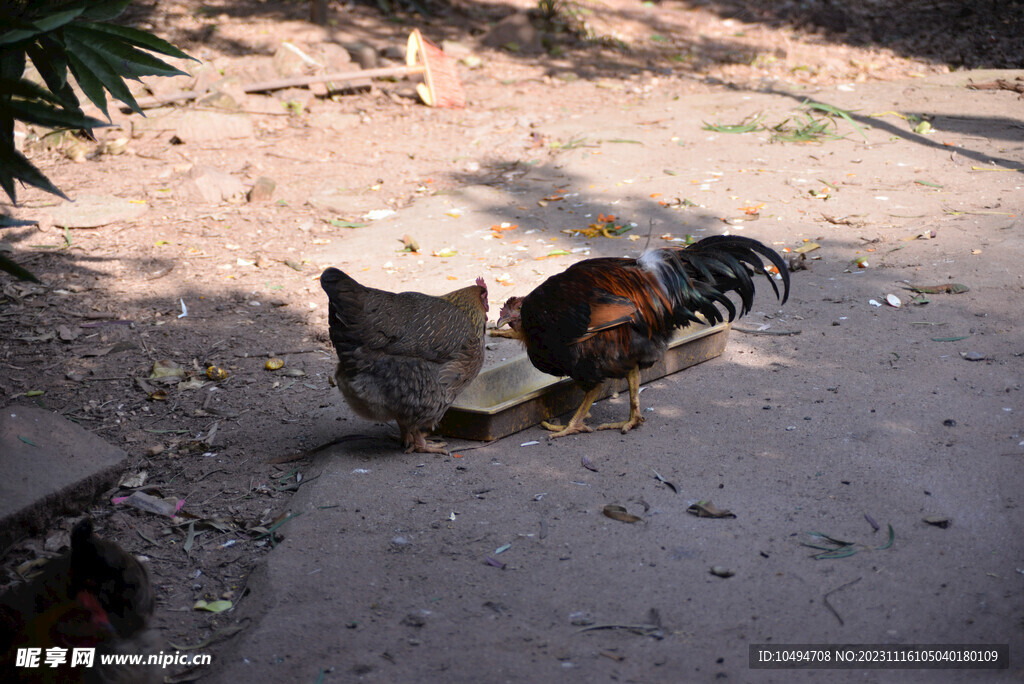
(14, 166)
(53, 67)
(88, 82)
(126, 60)
(892, 538)
(24, 88)
(212, 606)
(18, 31)
(50, 22)
(835, 111)
(103, 71)
(142, 39)
(9, 222)
(105, 11)
(842, 552)
(15, 270)
(46, 115)
(25, 30)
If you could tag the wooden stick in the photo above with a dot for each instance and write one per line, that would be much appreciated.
(283, 83)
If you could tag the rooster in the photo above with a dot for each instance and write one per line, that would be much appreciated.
(98, 596)
(611, 317)
(405, 356)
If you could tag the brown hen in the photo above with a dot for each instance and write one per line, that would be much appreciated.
(405, 356)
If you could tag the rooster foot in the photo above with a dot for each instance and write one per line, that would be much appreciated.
(507, 334)
(565, 430)
(418, 443)
(625, 425)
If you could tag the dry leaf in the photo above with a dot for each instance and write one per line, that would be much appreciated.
(706, 509)
(617, 512)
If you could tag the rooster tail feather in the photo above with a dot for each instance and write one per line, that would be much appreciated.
(747, 249)
(696, 279)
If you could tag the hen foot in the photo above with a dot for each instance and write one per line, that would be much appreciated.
(565, 430)
(418, 443)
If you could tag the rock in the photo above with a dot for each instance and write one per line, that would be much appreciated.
(204, 76)
(219, 100)
(207, 184)
(515, 33)
(364, 55)
(262, 190)
(93, 211)
(198, 126)
(193, 125)
(293, 60)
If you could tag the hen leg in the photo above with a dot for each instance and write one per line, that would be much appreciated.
(414, 440)
(634, 405)
(576, 423)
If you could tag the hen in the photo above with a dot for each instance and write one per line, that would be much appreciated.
(610, 317)
(98, 596)
(405, 356)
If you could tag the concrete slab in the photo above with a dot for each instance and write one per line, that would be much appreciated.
(48, 466)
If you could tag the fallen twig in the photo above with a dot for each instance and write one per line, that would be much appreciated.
(641, 629)
(829, 605)
(775, 333)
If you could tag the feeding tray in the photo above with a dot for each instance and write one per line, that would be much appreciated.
(513, 395)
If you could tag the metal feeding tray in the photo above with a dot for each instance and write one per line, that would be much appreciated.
(513, 395)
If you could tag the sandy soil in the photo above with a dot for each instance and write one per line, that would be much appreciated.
(855, 410)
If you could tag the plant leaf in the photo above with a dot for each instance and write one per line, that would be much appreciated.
(106, 73)
(53, 67)
(123, 58)
(25, 30)
(14, 166)
(48, 116)
(142, 39)
(617, 512)
(88, 82)
(892, 538)
(24, 88)
(843, 552)
(706, 509)
(15, 270)
(105, 11)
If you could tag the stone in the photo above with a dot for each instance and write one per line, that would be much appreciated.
(262, 190)
(93, 211)
(207, 184)
(515, 33)
(50, 467)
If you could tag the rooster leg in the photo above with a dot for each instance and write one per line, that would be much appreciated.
(634, 406)
(415, 441)
(576, 423)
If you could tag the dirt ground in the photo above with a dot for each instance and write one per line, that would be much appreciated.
(831, 414)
